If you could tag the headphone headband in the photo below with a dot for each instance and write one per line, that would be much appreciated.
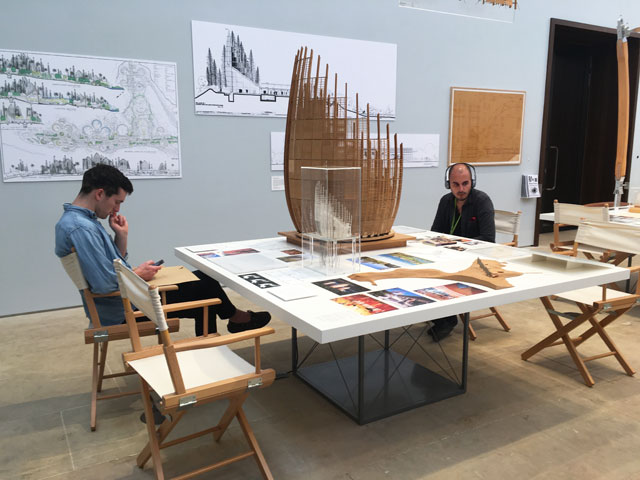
(470, 168)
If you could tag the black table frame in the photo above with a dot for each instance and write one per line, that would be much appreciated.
(396, 383)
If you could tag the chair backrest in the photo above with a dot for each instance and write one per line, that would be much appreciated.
(71, 265)
(572, 214)
(509, 224)
(139, 293)
(610, 236)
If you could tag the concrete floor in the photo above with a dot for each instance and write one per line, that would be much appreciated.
(518, 419)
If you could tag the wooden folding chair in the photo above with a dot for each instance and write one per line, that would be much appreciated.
(100, 335)
(569, 214)
(185, 374)
(593, 301)
(507, 223)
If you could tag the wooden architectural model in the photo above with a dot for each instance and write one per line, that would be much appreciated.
(324, 130)
(489, 273)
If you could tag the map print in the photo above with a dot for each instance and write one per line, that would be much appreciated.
(62, 114)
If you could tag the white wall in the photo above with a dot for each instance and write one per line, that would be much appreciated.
(225, 191)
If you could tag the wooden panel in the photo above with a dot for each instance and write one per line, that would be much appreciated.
(485, 126)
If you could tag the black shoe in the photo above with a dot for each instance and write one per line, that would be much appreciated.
(256, 320)
(158, 418)
(441, 333)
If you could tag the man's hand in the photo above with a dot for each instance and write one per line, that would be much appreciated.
(147, 270)
(119, 224)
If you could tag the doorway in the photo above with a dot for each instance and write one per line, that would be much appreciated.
(580, 120)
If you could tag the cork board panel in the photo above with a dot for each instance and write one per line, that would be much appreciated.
(486, 126)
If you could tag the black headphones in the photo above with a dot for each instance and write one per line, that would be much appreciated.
(472, 171)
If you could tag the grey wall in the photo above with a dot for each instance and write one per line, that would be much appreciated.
(225, 190)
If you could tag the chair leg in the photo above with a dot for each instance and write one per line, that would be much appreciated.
(103, 362)
(151, 430)
(234, 405)
(502, 321)
(94, 388)
(162, 433)
(612, 347)
(248, 433)
(562, 332)
(472, 332)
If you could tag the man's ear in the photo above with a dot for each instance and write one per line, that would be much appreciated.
(99, 193)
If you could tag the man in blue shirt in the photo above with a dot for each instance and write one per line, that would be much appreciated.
(104, 189)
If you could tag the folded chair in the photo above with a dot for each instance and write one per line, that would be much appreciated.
(185, 374)
(507, 223)
(569, 214)
(593, 301)
(100, 335)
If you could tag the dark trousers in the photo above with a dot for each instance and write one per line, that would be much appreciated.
(445, 323)
(205, 288)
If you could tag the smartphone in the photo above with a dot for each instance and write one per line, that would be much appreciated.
(158, 263)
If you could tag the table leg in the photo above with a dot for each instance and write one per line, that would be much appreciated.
(294, 350)
(465, 351)
(360, 406)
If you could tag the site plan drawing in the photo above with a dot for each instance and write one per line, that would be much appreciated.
(61, 114)
(247, 71)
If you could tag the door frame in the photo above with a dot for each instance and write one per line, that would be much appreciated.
(633, 97)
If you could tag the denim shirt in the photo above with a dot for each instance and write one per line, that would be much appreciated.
(80, 228)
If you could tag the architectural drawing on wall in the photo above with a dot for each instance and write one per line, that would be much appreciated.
(247, 71)
(277, 183)
(62, 114)
(420, 150)
(496, 10)
(277, 150)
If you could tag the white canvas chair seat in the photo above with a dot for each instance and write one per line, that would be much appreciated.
(199, 367)
(593, 302)
(190, 373)
(100, 335)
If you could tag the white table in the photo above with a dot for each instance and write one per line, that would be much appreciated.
(325, 321)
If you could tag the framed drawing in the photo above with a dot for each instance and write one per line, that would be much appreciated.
(485, 126)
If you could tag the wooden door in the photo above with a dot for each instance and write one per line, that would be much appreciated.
(579, 131)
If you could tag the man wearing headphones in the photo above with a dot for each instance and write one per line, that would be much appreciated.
(465, 212)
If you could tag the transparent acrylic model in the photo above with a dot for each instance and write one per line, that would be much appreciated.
(331, 203)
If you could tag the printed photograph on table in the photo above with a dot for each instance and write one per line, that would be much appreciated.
(449, 291)
(292, 251)
(209, 255)
(240, 251)
(340, 286)
(439, 241)
(258, 280)
(401, 298)
(363, 304)
(436, 293)
(456, 247)
(404, 258)
(290, 258)
(462, 289)
(375, 263)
